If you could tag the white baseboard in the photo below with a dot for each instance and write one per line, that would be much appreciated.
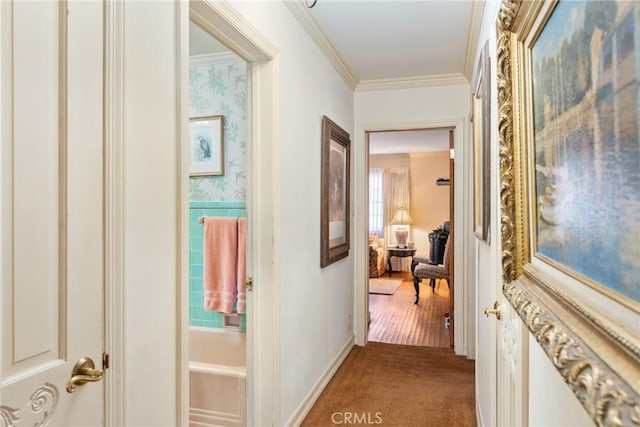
(307, 403)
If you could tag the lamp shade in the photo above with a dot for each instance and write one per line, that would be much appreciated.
(402, 217)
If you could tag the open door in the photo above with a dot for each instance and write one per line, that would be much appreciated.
(51, 244)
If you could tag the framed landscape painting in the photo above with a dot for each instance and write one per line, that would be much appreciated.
(334, 216)
(587, 152)
(568, 81)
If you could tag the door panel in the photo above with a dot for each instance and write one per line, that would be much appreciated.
(34, 149)
(513, 346)
(52, 214)
(488, 289)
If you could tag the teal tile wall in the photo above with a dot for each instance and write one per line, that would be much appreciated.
(198, 316)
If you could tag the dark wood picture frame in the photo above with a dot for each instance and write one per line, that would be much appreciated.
(481, 104)
(335, 194)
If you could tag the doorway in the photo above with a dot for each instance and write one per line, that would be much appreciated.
(408, 173)
(246, 43)
(217, 213)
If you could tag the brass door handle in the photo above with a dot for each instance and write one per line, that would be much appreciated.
(495, 310)
(84, 372)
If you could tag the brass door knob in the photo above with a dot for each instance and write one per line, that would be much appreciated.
(495, 310)
(84, 372)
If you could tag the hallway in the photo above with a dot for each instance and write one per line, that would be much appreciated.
(398, 385)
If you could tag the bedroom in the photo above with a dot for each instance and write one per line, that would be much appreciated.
(410, 170)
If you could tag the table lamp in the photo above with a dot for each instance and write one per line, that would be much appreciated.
(402, 218)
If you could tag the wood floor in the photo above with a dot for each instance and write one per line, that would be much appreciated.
(395, 319)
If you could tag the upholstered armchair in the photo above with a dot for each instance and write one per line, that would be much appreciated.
(421, 268)
(376, 257)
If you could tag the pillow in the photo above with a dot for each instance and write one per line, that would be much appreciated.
(374, 245)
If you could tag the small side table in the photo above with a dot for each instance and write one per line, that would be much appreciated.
(400, 253)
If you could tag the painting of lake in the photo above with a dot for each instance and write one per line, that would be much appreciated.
(585, 104)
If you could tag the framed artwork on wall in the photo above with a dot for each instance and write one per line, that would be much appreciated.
(569, 141)
(481, 104)
(335, 183)
(206, 142)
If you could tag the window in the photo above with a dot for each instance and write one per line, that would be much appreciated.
(376, 202)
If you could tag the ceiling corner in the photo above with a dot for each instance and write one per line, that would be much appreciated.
(309, 24)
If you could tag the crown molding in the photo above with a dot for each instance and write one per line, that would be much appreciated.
(412, 82)
(475, 24)
(309, 24)
(233, 30)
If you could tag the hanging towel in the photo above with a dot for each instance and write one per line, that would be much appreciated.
(242, 265)
(220, 259)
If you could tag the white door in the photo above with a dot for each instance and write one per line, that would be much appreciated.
(488, 281)
(501, 363)
(513, 347)
(51, 222)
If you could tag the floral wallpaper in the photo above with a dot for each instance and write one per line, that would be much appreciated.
(219, 86)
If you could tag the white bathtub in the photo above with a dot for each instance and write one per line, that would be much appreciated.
(217, 377)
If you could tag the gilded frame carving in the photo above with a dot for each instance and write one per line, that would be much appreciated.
(598, 358)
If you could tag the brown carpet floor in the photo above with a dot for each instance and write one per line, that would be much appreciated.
(398, 385)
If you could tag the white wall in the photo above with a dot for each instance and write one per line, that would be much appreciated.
(412, 106)
(150, 209)
(488, 268)
(404, 109)
(315, 306)
(551, 402)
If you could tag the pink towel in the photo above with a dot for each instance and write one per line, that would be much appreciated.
(242, 265)
(220, 259)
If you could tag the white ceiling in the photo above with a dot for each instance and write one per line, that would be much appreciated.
(414, 141)
(390, 39)
(202, 43)
(387, 40)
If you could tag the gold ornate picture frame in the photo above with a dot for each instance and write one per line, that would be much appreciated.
(334, 204)
(589, 332)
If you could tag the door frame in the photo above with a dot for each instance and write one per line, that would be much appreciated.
(114, 115)
(229, 27)
(465, 313)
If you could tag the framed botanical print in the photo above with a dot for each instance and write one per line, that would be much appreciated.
(206, 142)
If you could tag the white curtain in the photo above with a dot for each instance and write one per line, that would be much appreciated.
(395, 183)
(376, 202)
